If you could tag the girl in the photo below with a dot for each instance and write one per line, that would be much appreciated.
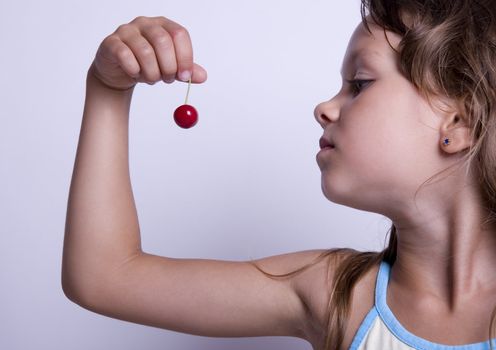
(418, 100)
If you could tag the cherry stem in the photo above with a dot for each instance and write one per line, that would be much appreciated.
(187, 94)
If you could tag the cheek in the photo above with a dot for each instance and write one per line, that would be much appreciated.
(386, 150)
(380, 139)
(369, 128)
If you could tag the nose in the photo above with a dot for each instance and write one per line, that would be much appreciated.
(326, 112)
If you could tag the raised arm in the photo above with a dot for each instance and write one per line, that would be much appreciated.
(104, 268)
(102, 230)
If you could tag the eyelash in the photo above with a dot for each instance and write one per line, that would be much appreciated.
(354, 85)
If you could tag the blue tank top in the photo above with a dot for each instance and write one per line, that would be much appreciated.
(381, 330)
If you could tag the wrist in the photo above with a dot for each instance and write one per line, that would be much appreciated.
(92, 78)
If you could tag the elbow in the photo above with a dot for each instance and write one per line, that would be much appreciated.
(76, 290)
(67, 284)
(87, 287)
(82, 297)
(69, 289)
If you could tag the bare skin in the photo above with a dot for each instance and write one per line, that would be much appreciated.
(104, 268)
(389, 140)
(444, 258)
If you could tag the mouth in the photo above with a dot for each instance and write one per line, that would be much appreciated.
(323, 143)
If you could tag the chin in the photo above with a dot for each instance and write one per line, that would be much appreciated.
(352, 198)
(334, 191)
(341, 193)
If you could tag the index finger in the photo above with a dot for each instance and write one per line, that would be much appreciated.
(182, 46)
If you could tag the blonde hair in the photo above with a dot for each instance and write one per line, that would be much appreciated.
(447, 49)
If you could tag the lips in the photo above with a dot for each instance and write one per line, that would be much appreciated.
(325, 143)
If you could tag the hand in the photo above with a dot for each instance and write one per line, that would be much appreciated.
(147, 49)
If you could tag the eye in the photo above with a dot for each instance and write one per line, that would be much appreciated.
(357, 85)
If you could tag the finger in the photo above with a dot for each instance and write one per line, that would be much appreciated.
(164, 50)
(145, 54)
(199, 74)
(182, 45)
(113, 49)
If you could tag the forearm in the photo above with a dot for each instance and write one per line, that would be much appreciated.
(102, 230)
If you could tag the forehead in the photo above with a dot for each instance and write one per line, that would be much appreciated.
(365, 47)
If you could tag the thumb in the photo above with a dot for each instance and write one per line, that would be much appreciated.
(199, 74)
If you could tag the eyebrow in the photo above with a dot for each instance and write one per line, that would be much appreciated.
(363, 52)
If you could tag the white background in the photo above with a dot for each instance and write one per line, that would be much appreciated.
(243, 183)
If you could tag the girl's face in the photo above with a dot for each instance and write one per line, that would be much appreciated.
(386, 135)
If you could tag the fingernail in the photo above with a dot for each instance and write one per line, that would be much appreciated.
(185, 75)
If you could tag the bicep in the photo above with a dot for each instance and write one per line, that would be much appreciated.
(204, 297)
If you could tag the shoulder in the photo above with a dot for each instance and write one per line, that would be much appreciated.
(314, 288)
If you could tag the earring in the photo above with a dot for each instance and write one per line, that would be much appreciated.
(446, 142)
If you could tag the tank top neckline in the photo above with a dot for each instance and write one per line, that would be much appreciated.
(401, 332)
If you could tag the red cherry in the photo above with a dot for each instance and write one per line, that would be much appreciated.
(185, 116)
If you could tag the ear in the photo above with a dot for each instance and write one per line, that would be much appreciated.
(456, 129)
